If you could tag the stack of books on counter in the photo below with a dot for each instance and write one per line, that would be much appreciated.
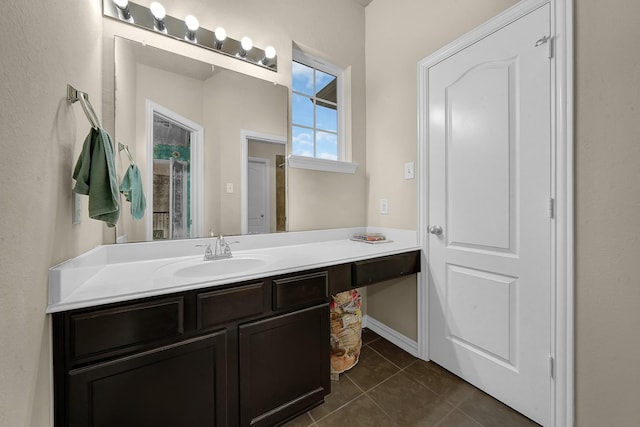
(371, 238)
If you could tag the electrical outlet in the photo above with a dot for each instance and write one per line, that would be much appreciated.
(384, 207)
(76, 215)
(229, 187)
(409, 170)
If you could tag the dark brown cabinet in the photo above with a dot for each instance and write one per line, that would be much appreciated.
(247, 354)
(284, 365)
(183, 384)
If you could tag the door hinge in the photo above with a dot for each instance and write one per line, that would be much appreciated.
(552, 207)
(548, 40)
(551, 367)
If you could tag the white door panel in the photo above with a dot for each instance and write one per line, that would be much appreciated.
(258, 195)
(489, 185)
(479, 176)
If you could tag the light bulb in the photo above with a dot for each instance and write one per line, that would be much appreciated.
(221, 34)
(123, 7)
(191, 22)
(157, 10)
(246, 44)
(269, 52)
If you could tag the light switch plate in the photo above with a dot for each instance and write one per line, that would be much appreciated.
(229, 187)
(384, 207)
(409, 170)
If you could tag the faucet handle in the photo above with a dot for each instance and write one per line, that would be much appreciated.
(208, 252)
(225, 247)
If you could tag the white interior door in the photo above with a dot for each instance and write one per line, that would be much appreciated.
(258, 195)
(490, 252)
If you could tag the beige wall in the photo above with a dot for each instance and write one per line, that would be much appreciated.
(607, 144)
(125, 130)
(607, 200)
(47, 45)
(424, 27)
(41, 136)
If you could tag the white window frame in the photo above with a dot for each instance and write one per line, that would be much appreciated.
(315, 163)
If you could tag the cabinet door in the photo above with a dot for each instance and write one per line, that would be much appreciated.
(177, 385)
(284, 365)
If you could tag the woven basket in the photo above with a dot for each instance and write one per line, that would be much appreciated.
(346, 330)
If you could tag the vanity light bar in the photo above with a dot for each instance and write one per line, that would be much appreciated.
(141, 16)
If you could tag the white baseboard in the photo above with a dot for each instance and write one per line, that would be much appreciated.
(391, 335)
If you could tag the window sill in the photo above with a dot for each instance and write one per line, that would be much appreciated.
(311, 163)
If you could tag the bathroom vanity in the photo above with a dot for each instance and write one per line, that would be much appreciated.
(245, 348)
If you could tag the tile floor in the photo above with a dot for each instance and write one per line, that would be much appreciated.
(389, 387)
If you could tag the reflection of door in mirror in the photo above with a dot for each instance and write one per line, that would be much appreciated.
(258, 194)
(266, 186)
(174, 174)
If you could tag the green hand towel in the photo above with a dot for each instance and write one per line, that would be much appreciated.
(131, 187)
(95, 175)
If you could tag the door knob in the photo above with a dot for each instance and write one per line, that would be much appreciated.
(435, 229)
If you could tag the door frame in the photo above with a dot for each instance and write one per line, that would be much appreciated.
(196, 164)
(562, 345)
(267, 184)
(245, 136)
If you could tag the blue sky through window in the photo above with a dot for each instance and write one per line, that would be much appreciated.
(314, 113)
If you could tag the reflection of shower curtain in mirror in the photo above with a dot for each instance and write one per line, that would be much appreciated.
(178, 199)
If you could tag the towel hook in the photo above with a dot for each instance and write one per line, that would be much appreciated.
(74, 95)
(121, 147)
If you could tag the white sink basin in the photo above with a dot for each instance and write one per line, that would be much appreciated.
(198, 268)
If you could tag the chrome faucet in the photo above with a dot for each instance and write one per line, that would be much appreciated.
(219, 251)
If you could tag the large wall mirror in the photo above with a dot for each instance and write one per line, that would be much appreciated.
(210, 145)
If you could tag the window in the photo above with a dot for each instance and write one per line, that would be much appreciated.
(315, 106)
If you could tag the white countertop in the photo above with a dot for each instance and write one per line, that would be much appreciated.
(122, 272)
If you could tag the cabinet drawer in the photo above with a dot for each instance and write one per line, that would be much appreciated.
(230, 304)
(380, 269)
(300, 290)
(339, 278)
(120, 328)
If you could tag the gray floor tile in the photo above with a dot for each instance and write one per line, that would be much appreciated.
(375, 392)
(409, 403)
(440, 381)
(458, 419)
(303, 420)
(395, 354)
(371, 370)
(491, 413)
(342, 392)
(369, 336)
(362, 412)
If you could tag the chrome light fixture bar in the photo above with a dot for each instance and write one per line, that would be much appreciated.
(188, 30)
